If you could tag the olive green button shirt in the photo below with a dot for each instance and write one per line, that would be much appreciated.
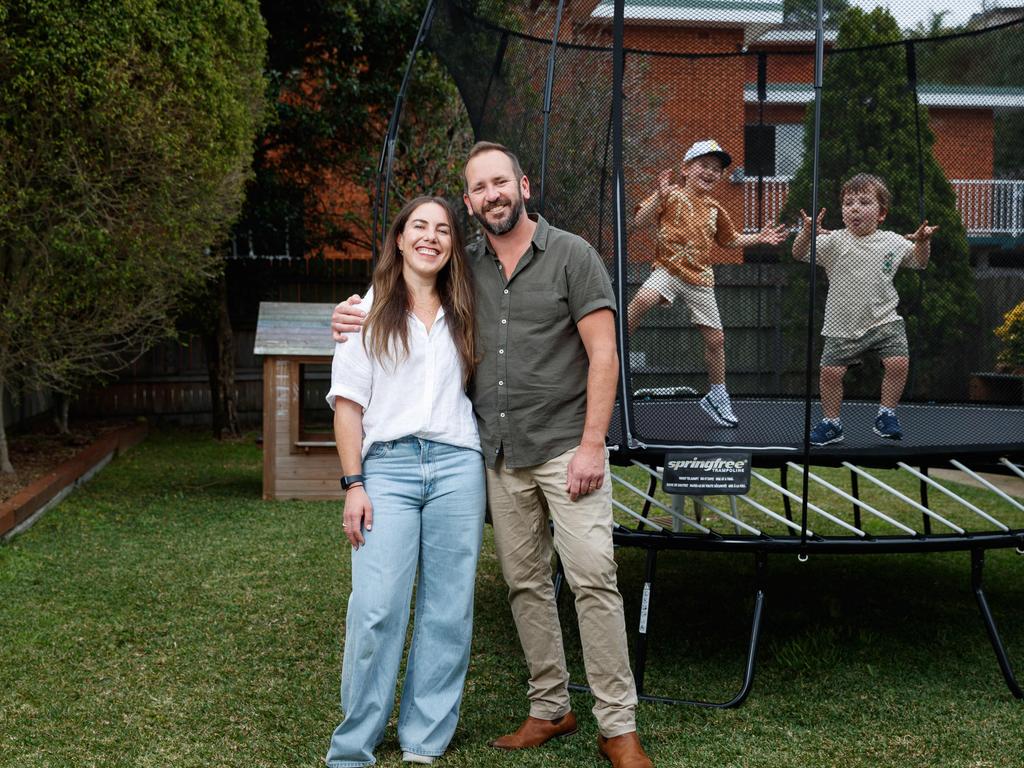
(530, 387)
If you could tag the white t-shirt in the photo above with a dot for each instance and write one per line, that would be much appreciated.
(860, 272)
(421, 396)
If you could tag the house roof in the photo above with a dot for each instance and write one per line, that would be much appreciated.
(292, 328)
(724, 12)
(930, 95)
(792, 36)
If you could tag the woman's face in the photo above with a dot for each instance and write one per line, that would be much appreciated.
(426, 241)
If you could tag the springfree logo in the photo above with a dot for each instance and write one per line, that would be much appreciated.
(717, 464)
(699, 473)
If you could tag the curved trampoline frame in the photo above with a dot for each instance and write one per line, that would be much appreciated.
(652, 537)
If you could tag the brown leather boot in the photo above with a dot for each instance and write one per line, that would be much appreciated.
(534, 732)
(624, 751)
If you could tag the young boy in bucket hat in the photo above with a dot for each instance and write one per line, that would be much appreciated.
(689, 221)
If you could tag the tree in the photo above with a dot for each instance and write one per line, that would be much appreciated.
(805, 12)
(868, 125)
(125, 141)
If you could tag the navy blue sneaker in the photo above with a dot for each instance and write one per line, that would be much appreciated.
(826, 433)
(888, 426)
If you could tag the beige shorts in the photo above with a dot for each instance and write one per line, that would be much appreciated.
(699, 299)
(888, 340)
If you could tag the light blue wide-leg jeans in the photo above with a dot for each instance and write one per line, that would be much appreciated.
(428, 510)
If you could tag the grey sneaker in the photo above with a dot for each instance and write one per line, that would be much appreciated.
(720, 412)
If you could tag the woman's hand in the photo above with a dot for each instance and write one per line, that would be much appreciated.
(357, 515)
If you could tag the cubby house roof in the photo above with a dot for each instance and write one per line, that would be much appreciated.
(293, 328)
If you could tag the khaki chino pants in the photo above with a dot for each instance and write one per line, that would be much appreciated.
(521, 501)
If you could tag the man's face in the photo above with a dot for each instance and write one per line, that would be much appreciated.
(495, 197)
(862, 212)
(702, 173)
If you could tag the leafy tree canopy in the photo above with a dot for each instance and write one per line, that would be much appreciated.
(125, 140)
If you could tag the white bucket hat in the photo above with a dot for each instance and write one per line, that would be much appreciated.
(708, 147)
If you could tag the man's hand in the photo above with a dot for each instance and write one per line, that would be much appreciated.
(923, 233)
(358, 515)
(586, 471)
(347, 318)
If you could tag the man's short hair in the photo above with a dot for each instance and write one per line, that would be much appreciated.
(492, 146)
(868, 182)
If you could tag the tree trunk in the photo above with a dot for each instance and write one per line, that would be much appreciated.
(220, 363)
(5, 457)
(226, 347)
(61, 406)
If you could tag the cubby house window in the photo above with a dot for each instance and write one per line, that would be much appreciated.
(316, 419)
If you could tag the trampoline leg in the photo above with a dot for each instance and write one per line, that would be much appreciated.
(645, 603)
(760, 563)
(977, 572)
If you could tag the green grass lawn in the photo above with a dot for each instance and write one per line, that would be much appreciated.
(164, 615)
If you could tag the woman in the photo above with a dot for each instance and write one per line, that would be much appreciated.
(414, 481)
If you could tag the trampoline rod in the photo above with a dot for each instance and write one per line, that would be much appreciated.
(997, 491)
(819, 70)
(902, 497)
(734, 520)
(866, 507)
(1012, 467)
(641, 518)
(814, 508)
(548, 85)
(943, 489)
(644, 495)
(775, 515)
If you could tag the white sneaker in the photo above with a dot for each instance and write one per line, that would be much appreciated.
(412, 757)
(720, 411)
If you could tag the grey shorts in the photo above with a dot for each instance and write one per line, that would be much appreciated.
(889, 340)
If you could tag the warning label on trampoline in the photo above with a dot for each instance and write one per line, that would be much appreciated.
(700, 473)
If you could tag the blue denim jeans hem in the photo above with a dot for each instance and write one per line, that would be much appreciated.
(428, 507)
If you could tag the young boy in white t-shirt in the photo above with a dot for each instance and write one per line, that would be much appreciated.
(690, 221)
(860, 262)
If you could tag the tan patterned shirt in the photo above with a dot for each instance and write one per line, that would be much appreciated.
(688, 224)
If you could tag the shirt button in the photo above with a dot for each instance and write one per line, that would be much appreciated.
(506, 290)
(501, 351)
(501, 383)
(502, 414)
(504, 321)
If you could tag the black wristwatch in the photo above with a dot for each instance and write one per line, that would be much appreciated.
(349, 480)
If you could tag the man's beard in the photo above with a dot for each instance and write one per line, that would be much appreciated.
(515, 211)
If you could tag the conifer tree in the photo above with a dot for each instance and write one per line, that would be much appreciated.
(868, 125)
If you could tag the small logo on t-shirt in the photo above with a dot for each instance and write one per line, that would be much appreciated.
(887, 266)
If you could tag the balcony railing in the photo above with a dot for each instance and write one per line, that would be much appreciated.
(988, 207)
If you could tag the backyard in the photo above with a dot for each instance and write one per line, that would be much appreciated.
(165, 615)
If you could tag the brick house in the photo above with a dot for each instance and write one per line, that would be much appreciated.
(962, 118)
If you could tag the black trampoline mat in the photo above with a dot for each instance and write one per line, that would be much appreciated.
(774, 430)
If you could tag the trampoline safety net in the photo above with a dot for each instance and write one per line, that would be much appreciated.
(696, 169)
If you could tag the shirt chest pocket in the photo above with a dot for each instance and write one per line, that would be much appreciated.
(536, 306)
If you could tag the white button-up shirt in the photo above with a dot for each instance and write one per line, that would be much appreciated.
(422, 395)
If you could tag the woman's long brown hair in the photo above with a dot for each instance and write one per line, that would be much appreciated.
(386, 335)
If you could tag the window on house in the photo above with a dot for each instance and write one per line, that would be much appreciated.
(759, 150)
(773, 150)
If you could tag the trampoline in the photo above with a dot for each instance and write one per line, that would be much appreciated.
(600, 99)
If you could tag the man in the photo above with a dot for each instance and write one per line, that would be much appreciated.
(543, 396)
